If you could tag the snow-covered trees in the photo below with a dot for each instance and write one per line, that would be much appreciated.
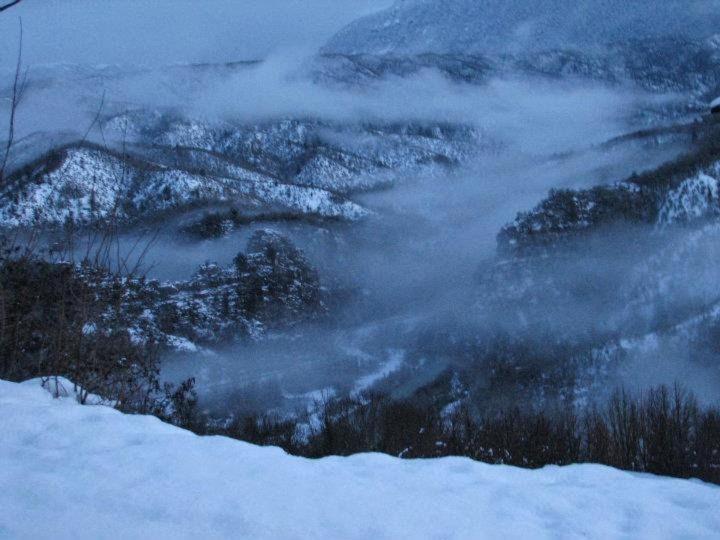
(276, 280)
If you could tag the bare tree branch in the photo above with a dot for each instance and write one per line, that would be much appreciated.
(18, 90)
(95, 120)
(11, 4)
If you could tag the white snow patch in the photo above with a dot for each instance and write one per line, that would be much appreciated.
(181, 344)
(89, 329)
(314, 396)
(695, 198)
(393, 364)
(62, 388)
(93, 472)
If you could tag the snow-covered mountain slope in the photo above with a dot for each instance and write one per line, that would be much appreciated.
(662, 47)
(84, 183)
(91, 471)
(162, 163)
(660, 65)
(342, 157)
(492, 26)
(586, 281)
(681, 193)
(669, 216)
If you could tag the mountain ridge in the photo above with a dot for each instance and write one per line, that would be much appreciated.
(493, 26)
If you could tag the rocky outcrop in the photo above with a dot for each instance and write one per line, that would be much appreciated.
(270, 286)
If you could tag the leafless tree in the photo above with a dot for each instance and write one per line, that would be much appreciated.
(18, 89)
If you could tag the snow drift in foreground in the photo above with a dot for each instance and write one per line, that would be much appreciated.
(72, 471)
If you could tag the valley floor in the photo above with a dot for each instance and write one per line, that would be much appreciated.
(72, 471)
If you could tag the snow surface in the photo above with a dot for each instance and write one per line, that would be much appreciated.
(695, 198)
(73, 471)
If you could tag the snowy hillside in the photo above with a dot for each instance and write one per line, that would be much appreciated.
(433, 269)
(492, 26)
(298, 168)
(83, 183)
(94, 472)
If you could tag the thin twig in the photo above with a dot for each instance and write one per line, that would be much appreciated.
(95, 120)
(17, 91)
(8, 6)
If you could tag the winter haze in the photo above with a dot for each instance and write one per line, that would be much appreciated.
(483, 229)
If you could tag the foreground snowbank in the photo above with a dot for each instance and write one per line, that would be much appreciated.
(72, 471)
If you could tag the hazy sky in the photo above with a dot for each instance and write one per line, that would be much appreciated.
(169, 31)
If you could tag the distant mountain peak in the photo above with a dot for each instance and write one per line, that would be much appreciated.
(495, 26)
